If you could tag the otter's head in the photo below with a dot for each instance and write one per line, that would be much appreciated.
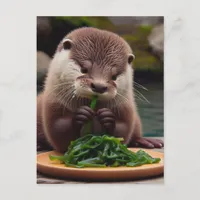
(90, 62)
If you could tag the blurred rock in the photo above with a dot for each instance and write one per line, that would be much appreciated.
(156, 41)
(147, 21)
(43, 61)
(43, 26)
(50, 31)
(145, 40)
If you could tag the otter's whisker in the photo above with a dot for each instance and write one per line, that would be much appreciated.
(78, 100)
(55, 87)
(61, 96)
(116, 107)
(137, 92)
(140, 86)
(139, 98)
(69, 98)
(62, 86)
(57, 95)
(122, 97)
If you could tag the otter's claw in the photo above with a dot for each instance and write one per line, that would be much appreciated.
(107, 119)
(83, 115)
(147, 143)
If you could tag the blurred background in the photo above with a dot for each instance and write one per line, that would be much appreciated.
(146, 38)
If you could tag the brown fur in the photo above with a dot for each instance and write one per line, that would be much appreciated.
(105, 54)
(102, 45)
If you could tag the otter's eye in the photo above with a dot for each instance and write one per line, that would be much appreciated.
(84, 71)
(114, 77)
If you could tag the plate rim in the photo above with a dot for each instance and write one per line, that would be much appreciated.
(107, 169)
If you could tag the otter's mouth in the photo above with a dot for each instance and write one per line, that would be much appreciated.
(91, 88)
(88, 94)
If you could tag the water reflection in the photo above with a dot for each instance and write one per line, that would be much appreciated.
(152, 114)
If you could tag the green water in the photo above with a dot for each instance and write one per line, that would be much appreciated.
(152, 114)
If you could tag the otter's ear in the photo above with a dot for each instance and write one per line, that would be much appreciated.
(67, 44)
(131, 57)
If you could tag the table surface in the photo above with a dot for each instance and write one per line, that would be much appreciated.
(43, 179)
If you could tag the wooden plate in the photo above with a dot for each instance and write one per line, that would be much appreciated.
(48, 167)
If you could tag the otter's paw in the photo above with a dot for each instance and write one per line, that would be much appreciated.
(107, 119)
(83, 115)
(147, 143)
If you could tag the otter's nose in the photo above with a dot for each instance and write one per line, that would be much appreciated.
(96, 87)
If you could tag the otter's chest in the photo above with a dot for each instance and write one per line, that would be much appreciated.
(96, 127)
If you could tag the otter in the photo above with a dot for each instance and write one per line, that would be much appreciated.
(87, 62)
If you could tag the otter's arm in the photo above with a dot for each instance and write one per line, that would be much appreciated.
(58, 128)
(138, 141)
(123, 129)
(128, 126)
(42, 143)
(118, 125)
